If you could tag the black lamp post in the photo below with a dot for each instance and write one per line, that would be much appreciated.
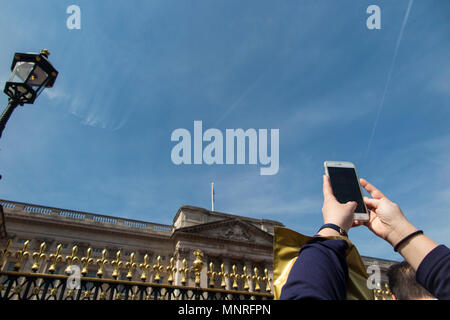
(31, 74)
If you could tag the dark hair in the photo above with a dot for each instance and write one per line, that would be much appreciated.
(403, 284)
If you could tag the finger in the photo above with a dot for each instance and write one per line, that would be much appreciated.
(357, 223)
(327, 190)
(374, 192)
(372, 216)
(352, 204)
(371, 203)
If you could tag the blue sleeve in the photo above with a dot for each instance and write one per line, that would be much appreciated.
(320, 272)
(433, 272)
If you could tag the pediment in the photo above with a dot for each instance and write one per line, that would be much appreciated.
(233, 229)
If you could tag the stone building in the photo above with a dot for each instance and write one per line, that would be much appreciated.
(223, 238)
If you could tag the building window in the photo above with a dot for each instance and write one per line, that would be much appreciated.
(91, 274)
(97, 250)
(21, 241)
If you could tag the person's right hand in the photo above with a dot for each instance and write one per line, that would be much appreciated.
(386, 218)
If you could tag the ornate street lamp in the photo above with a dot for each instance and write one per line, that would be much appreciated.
(31, 74)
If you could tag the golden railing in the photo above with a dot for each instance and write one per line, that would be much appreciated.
(34, 275)
(124, 280)
(382, 294)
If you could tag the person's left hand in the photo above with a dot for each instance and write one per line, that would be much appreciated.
(340, 214)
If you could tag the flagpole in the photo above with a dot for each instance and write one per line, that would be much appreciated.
(212, 196)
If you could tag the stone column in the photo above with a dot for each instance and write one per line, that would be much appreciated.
(203, 274)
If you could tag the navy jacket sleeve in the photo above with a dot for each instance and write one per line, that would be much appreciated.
(320, 272)
(433, 272)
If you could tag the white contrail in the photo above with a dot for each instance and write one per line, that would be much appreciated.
(380, 107)
(239, 99)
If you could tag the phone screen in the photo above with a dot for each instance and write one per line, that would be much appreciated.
(346, 186)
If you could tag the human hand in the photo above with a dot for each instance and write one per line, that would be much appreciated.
(340, 214)
(386, 218)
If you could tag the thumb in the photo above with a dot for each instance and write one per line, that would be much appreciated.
(352, 205)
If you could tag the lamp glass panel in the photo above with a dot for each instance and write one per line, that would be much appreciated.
(21, 71)
(22, 89)
(38, 91)
(37, 77)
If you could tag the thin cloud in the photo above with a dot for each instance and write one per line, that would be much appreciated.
(241, 97)
(56, 94)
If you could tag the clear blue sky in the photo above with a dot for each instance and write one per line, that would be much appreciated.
(99, 141)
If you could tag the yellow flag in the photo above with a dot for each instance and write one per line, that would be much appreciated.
(287, 245)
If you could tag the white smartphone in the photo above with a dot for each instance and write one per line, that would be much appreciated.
(345, 184)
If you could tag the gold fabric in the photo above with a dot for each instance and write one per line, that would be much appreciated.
(287, 245)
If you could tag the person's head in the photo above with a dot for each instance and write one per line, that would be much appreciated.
(403, 284)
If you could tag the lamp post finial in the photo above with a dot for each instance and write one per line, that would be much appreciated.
(45, 52)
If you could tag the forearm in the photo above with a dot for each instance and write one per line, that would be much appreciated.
(433, 272)
(320, 272)
(415, 249)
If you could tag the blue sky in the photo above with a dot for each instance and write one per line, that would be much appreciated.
(99, 141)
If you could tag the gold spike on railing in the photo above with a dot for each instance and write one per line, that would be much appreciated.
(375, 296)
(171, 270)
(38, 256)
(22, 256)
(54, 258)
(234, 276)
(246, 278)
(86, 261)
(117, 264)
(144, 267)
(158, 268)
(5, 253)
(387, 292)
(101, 263)
(211, 275)
(131, 265)
(184, 270)
(256, 278)
(223, 275)
(197, 266)
(266, 279)
(70, 260)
